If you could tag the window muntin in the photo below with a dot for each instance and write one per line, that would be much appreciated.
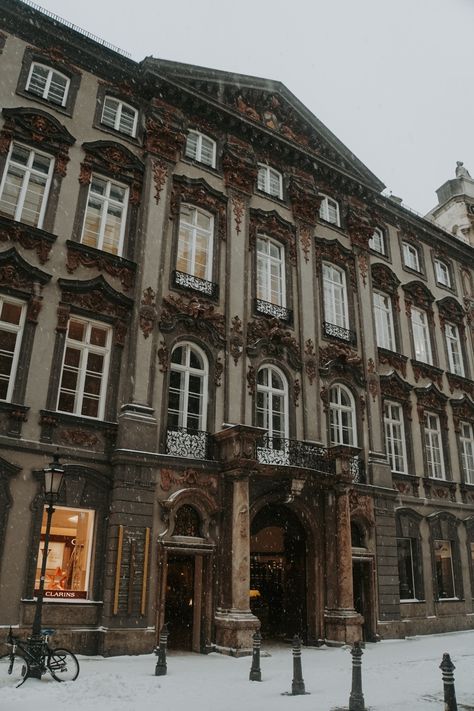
(272, 402)
(384, 328)
(270, 181)
(68, 572)
(444, 569)
(443, 274)
(377, 241)
(454, 349)
(411, 257)
(195, 242)
(48, 83)
(188, 389)
(106, 213)
(342, 416)
(421, 336)
(201, 148)
(406, 550)
(335, 296)
(329, 211)
(270, 271)
(466, 439)
(84, 370)
(395, 441)
(12, 321)
(434, 447)
(25, 185)
(119, 116)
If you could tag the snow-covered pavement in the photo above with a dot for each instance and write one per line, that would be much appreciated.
(396, 675)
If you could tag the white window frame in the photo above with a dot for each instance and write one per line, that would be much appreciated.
(395, 438)
(421, 336)
(120, 105)
(196, 152)
(377, 241)
(329, 210)
(443, 273)
(337, 412)
(19, 330)
(28, 171)
(196, 231)
(270, 392)
(384, 326)
(267, 265)
(265, 178)
(187, 370)
(411, 257)
(434, 446)
(84, 348)
(49, 80)
(466, 440)
(106, 200)
(336, 307)
(454, 349)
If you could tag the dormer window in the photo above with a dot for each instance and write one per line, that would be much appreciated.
(201, 148)
(329, 211)
(377, 241)
(443, 275)
(270, 181)
(119, 116)
(48, 84)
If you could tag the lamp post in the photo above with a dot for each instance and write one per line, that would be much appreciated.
(53, 479)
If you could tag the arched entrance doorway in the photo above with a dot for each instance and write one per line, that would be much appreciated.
(278, 572)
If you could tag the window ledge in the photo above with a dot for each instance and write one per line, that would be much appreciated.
(64, 429)
(412, 601)
(82, 255)
(427, 370)
(439, 488)
(460, 382)
(27, 236)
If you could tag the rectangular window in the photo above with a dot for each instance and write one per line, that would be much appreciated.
(201, 148)
(335, 296)
(119, 116)
(195, 242)
(434, 447)
(453, 346)
(106, 213)
(411, 257)
(421, 336)
(25, 185)
(270, 181)
(12, 321)
(406, 571)
(444, 569)
(443, 275)
(377, 241)
(466, 438)
(395, 440)
(85, 369)
(329, 211)
(68, 565)
(384, 329)
(48, 83)
(270, 272)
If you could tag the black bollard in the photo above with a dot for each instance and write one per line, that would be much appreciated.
(297, 685)
(447, 667)
(255, 671)
(161, 667)
(356, 698)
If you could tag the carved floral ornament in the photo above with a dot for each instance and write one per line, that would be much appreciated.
(160, 173)
(433, 400)
(425, 370)
(339, 358)
(384, 279)
(239, 164)
(463, 410)
(393, 387)
(165, 132)
(417, 294)
(396, 360)
(360, 223)
(194, 314)
(200, 193)
(81, 255)
(304, 198)
(147, 313)
(267, 336)
(236, 340)
(38, 127)
(17, 274)
(238, 208)
(115, 160)
(451, 311)
(457, 382)
(332, 251)
(27, 237)
(271, 224)
(310, 363)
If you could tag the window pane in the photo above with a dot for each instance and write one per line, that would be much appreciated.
(444, 569)
(406, 569)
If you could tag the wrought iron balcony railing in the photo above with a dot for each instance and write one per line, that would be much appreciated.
(281, 312)
(189, 281)
(293, 453)
(342, 334)
(183, 442)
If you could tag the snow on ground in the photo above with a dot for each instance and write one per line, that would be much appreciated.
(396, 675)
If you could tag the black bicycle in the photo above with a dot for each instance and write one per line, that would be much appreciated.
(24, 660)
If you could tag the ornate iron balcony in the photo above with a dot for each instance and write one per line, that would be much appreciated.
(183, 442)
(342, 334)
(357, 466)
(281, 312)
(293, 453)
(189, 281)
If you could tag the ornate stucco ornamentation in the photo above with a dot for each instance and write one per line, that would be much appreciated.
(116, 160)
(268, 337)
(251, 380)
(310, 364)
(163, 356)
(239, 165)
(199, 192)
(147, 312)
(195, 314)
(296, 391)
(462, 410)
(160, 174)
(340, 358)
(419, 295)
(431, 399)
(219, 369)
(271, 224)
(79, 438)
(190, 477)
(333, 251)
(80, 255)
(165, 133)
(238, 208)
(27, 237)
(305, 201)
(236, 340)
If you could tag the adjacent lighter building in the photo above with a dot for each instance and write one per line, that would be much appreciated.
(257, 369)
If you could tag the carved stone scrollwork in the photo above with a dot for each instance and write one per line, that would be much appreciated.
(418, 294)
(238, 208)
(456, 382)
(462, 410)
(236, 340)
(28, 237)
(96, 296)
(195, 314)
(239, 165)
(310, 364)
(189, 477)
(384, 279)
(160, 174)
(251, 380)
(305, 201)
(219, 369)
(333, 251)
(16, 273)
(451, 311)
(424, 370)
(324, 395)
(360, 224)
(165, 133)
(113, 159)
(267, 336)
(79, 438)
(393, 387)
(271, 224)
(163, 357)
(80, 255)
(147, 313)
(395, 360)
(296, 391)
(305, 240)
(199, 192)
(339, 358)
(431, 399)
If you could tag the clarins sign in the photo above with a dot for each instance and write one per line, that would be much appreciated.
(64, 594)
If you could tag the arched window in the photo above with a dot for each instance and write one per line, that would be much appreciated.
(342, 416)
(187, 522)
(272, 403)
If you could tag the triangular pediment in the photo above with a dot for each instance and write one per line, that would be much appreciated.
(269, 105)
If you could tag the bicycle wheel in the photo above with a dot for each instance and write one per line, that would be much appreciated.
(14, 669)
(63, 664)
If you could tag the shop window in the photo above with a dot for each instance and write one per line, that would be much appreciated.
(444, 569)
(68, 571)
(187, 522)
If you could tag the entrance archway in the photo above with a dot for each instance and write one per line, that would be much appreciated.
(278, 572)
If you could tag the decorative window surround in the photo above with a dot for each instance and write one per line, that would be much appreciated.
(434, 446)
(120, 116)
(25, 185)
(48, 83)
(80, 255)
(28, 237)
(105, 216)
(384, 324)
(411, 257)
(454, 349)
(55, 64)
(443, 273)
(270, 181)
(198, 193)
(329, 210)
(195, 243)
(395, 438)
(342, 416)
(377, 242)
(270, 277)
(200, 148)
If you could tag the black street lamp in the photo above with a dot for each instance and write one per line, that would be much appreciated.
(53, 479)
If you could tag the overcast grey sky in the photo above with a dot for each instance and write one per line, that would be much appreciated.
(394, 80)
